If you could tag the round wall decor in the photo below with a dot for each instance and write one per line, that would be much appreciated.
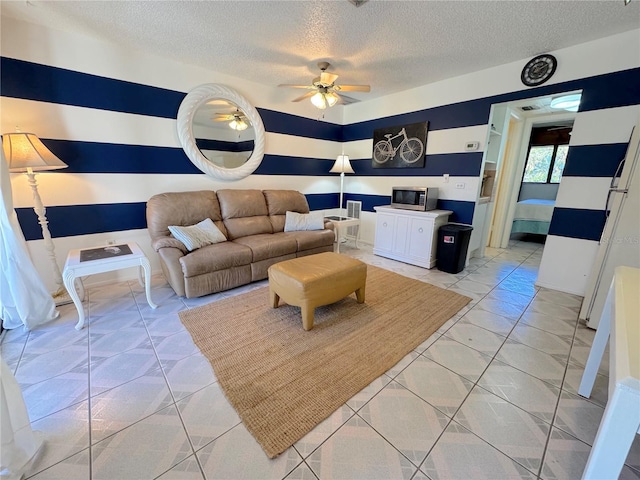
(538, 70)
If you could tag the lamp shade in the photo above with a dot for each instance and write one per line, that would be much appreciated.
(25, 150)
(342, 165)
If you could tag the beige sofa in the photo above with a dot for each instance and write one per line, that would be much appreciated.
(253, 222)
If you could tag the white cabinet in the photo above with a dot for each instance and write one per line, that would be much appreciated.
(408, 236)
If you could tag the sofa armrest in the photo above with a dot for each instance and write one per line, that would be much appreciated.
(164, 242)
(328, 225)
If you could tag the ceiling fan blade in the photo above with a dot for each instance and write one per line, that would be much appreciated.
(309, 87)
(327, 78)
(306, 95)
(353, 88)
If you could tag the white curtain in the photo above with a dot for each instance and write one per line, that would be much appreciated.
(24, 300)
(19, 443)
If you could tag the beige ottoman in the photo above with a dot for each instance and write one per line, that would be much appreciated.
(315, 280)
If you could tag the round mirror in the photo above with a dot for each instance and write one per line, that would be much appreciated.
(221, 132)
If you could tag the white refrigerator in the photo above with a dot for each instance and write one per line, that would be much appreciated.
(620, 241)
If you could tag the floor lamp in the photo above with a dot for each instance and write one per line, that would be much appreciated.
(25, 153)
(342, 166)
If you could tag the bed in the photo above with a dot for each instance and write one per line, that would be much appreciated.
(533, 216)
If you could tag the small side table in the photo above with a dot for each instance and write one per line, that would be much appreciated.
(88, 261)
(343, 222)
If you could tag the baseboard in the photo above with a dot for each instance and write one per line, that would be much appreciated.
(559, 288)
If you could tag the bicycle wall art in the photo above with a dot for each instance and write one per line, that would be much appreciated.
(400, 147)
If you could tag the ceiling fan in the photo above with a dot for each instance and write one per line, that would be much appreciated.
(237, 120)
(324, 91)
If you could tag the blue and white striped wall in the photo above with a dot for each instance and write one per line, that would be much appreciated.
(109, 113)
(598, 144)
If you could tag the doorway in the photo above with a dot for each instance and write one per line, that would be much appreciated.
(511, 204)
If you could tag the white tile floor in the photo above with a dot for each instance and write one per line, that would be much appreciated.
(491, 395)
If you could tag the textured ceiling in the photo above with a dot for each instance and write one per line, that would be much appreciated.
(391, 45)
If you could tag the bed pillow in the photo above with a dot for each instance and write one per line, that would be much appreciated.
(198, 235)
(304, 221)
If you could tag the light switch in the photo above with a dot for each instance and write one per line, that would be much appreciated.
(445, 178)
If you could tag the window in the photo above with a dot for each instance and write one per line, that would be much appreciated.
(548, 149)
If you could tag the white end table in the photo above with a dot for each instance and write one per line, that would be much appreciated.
(88, 261)
(343, 222)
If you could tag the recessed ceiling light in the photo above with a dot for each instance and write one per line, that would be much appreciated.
(566, 102)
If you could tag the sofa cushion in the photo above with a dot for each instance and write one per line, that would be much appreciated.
(242, 203)
(211, 258)
(198, 235)
(182, 209)
(281, 201)
(295, 222)
(269, 245)
(244, 213)
(308, 240)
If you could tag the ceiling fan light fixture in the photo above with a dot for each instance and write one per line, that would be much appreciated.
(238, 124)
(323, 100)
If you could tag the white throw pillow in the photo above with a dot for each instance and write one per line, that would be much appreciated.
(199, 235)
(304, 221)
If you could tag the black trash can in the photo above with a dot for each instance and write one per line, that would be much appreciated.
(453, 243)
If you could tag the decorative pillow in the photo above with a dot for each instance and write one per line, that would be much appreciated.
(304, 221)
(199, 235)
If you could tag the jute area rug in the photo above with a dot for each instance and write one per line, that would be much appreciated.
(283, 380)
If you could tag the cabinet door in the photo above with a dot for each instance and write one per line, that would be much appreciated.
(420, 238)
(385, 224)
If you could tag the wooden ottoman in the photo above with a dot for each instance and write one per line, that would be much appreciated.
(316, 280)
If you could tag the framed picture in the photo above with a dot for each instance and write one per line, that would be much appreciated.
(400, 147)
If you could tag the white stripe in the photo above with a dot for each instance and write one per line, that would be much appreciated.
(451, 140)
(383, 186)
(583, 192)
(93, 188)
(611, 125)
(66, 122)
(293, 146)
(96, 188)
(566, 264)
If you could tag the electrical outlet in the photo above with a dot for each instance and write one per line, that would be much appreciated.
(460, 185)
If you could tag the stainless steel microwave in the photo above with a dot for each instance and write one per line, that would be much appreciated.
(414, 198)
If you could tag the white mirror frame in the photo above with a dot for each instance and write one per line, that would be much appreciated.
(201, 95)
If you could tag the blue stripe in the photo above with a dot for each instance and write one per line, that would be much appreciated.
(93, 157)
(462, 211)
(594, 160)
(284, 165)
(222, 146)
(43, 83)
(322, 201)
(21, 79)
(609, 90)
(72, 220)
(472, 112)
(288, 124)
(577, 223)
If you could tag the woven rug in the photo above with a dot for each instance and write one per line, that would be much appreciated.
(283, 380)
